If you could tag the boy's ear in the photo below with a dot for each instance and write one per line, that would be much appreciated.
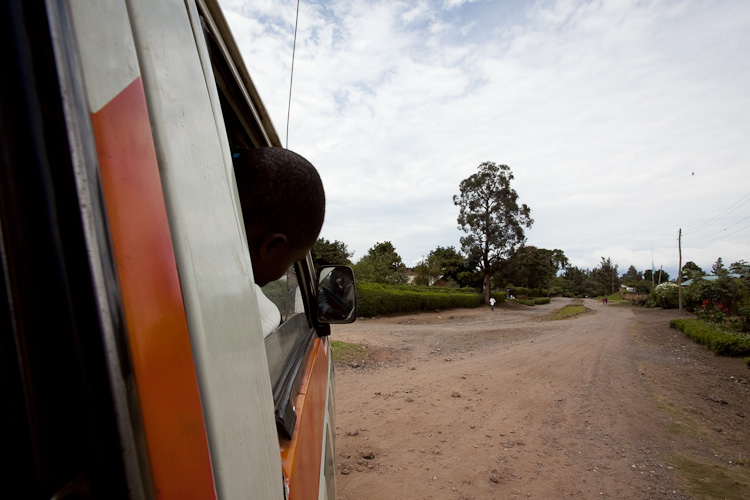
(270, 243)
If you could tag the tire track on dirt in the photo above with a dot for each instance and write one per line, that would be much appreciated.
(488, 405)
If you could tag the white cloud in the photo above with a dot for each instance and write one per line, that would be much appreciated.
(452, 4)
(622, 121)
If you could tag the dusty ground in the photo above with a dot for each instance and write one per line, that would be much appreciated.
(475, 404)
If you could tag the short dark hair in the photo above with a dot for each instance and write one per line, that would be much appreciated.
(281, 191)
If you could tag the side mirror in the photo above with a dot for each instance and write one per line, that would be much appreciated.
(337, 295)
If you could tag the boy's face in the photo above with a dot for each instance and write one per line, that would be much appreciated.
(275, 261)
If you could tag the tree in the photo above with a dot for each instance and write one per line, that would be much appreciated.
(660, 276)
(742, 270)
(381, 265)
(559, 260)
(428, 271)
(443, 262)
(533, 267)
(326, 252)
(691, 270)
(492, 218)
(451, 262)
(718, 268)
(632, 276)
(606, 276)
(574, 278)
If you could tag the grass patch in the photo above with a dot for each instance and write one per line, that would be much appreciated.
(344, 352)
(569, 311)
(708, 479)
(681, 424)
(686, 427)
(719, 341)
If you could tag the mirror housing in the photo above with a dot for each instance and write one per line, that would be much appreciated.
(336, 295)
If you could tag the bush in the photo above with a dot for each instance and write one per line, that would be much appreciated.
(375, 299)
(666, 295)
(712, 313)
(720, 342)
(694, 294)
(744, 314)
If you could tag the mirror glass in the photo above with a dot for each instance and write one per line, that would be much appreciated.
(336, 295)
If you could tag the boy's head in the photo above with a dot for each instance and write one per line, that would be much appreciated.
(283, 204)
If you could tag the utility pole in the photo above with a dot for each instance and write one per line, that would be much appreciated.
(679, 268)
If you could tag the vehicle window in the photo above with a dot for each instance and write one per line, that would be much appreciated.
(286, 294)
(284, 343)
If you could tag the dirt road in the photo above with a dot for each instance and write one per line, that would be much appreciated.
(476, 404)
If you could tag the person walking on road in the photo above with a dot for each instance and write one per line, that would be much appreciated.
(492, 303)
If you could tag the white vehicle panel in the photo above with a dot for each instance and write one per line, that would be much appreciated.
(103, 51)
(211, 251)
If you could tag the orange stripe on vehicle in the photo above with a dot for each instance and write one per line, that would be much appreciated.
(154, 311)
(300, 457)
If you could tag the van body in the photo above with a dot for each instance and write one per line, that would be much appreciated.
(134, 365)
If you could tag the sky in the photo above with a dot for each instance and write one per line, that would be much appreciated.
(622, 121)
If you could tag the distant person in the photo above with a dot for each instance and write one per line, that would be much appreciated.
(283, 206)
(605, 301)
(492, 303)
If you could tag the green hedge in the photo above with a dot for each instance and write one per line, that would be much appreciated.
(374, 299)
(720, 342)
(520, 291)
(533, 302)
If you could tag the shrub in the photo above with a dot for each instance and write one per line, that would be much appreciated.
(726, 292)
(720, 342)
(694, 294)
(375, 299)
(744, 314)
(666, 295)
(712, 313)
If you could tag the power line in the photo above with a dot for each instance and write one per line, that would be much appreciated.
(701, 238)
(737, 204)
(291, 77)
(724, 235)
